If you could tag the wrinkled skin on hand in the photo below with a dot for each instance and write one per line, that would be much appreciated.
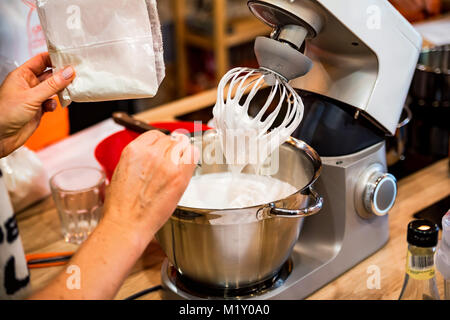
(150, 179)
(152, 174)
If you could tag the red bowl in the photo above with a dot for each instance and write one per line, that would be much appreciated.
(109, 150)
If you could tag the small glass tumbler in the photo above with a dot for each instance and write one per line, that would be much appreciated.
(79, 194)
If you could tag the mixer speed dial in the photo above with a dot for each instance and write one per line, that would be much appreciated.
(376, 192)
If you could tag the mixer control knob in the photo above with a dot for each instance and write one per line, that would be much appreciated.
(376, 192)
(380, 195)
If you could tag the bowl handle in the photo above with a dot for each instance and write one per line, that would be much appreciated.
(299, 213)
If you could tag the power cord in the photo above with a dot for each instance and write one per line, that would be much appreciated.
(144, 292)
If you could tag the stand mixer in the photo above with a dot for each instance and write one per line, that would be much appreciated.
(352, 64)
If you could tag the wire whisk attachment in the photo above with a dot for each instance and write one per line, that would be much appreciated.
(236, 92)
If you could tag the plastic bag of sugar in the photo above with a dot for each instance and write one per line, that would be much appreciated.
(115, 47)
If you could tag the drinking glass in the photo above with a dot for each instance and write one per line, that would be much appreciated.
(79, 195)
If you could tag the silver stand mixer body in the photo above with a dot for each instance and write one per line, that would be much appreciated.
(367, 68)
(337, 238)
(330, 242)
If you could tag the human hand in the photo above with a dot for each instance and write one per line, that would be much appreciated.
(24, 96)
(152, 175)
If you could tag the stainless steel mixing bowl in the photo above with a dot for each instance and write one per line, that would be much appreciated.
(237, 248)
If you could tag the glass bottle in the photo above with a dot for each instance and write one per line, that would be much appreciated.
(420, 278)
(443, 255)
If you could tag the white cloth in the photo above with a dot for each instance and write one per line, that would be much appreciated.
(115, 47)
(25, 178)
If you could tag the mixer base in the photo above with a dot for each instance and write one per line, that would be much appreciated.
(178, 287)
(330, 242)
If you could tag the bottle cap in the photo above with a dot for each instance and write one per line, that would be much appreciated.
(423, 233)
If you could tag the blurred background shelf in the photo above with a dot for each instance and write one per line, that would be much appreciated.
(215, 26)
(241, 31)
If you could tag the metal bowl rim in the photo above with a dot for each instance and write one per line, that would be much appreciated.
(293, 143)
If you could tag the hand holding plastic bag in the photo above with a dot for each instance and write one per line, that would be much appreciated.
(115, 47)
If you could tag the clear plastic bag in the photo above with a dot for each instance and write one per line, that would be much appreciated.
(115, 47)
(25, 178)
(6, 66)
(21, 36)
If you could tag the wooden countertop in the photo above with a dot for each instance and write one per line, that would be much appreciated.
(39, 227)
